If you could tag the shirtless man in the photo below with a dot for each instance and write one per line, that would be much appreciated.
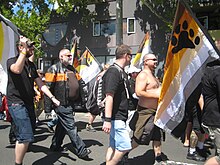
(148, 89)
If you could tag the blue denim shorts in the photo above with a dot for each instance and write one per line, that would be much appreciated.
(20, 116)
(119, 136)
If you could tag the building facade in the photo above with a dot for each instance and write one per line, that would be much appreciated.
(99, 35)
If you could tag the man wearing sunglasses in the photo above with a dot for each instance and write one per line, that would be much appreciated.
(22, 74)
(147, 88)
(63, 81)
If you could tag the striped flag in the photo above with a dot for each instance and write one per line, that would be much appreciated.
(143, 49)
(89, 67)
(8, 38)
(189, 51)
(76, 56)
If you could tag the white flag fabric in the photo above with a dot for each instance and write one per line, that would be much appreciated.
(143, 49)
(89, 67)
(8, 38)
(189, 51)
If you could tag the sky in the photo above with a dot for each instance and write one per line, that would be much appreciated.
(29, 5)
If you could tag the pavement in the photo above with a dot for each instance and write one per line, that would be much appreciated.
(39, 153)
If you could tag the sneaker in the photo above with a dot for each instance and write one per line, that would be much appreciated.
(161, 160)
(50, 129)
(203, 152)
(195, 156)
(90, 128)
(61, 149)
(85, 154)
(12, 140)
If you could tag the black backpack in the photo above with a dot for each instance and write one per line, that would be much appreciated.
(91, 104)
(96, 98)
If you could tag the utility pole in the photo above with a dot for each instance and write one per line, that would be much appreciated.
(119, 22)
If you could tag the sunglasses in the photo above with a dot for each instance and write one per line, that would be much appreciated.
(153, 59)
(129, 54)
(68, 55)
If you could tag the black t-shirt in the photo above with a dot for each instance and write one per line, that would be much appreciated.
(114, 83)
(20, 88)
(211, 94)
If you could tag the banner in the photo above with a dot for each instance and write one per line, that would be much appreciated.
(143, 49)
(89, 67)
(8, 38)
(189, 51)
(76, 56)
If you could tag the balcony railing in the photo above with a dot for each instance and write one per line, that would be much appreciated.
(208, 2)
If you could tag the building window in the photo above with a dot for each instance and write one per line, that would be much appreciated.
(103, 28)
(131, 25)
(40, 63)
(96, 28)
(47, 63)
(108, 27)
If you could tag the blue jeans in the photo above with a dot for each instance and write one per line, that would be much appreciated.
(24, 119)
(66, 125)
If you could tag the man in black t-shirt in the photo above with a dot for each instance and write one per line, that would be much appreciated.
(211, 109)
(115, 85)
(20, 94)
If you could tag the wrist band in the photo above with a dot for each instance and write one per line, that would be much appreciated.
(24, 53)
(52, 97)
(108, 119)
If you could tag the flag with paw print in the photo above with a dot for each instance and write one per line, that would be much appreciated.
(143, 49)
(89, 67)
(189, 50)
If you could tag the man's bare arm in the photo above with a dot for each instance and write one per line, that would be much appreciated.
(46, 91)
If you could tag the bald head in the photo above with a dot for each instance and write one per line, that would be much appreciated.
(64, 52)
(149, 56)
(65, 57)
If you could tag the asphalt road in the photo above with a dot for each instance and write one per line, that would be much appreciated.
(39, 153)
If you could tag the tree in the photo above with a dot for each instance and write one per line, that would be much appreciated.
(32, 16)
(165, 10)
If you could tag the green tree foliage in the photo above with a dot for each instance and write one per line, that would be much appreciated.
(165, 9)
(30, 16)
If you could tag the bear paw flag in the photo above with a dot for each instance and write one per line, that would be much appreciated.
(190, 49)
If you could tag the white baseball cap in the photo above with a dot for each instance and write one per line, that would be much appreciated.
(133, 69)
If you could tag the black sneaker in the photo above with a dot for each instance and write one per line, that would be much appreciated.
(195, 156)
(85, 154)
(203, 152)
(12, 140)
(61, 149)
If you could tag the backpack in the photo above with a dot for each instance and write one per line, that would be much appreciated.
(92, 102)
(96, 99)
